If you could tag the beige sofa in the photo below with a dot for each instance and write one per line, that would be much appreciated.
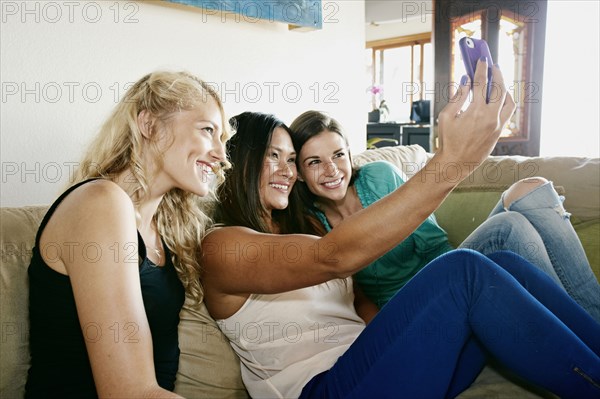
(208, 367)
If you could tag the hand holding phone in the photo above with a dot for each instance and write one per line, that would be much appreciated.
(472, 50)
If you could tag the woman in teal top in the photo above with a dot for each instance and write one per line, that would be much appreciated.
(528, 216)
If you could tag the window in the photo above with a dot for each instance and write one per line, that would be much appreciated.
(399, 71)
(511, 55)
(571, 97)
(512, 48)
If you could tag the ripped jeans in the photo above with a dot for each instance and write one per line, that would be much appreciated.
(537, 227)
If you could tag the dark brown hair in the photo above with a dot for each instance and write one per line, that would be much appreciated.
(239, 197)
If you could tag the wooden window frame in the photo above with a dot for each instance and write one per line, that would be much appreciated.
(419, 39)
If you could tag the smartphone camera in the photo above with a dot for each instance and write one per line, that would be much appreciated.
(470, 43)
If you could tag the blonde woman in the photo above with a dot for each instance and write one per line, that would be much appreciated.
(115, 253)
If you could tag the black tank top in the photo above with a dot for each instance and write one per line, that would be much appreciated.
(60, 367)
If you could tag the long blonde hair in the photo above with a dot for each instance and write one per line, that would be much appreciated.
(180, 219)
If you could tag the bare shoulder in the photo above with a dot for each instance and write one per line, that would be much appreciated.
(231, 240)
(97, 199)
(101, 193)
(220, 234)
(98, 211)
(218, 238)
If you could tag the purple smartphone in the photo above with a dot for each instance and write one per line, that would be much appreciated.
(472, 50)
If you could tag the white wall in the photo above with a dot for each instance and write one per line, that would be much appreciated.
(394, 18)
(390, 29)
(64, 65)
(571, 96)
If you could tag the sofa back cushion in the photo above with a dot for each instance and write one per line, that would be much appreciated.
(208, 367)
(580, 178)
(409, 159)
(19, 226)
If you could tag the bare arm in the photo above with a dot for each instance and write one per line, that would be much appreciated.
(238, 261)
(95, 226)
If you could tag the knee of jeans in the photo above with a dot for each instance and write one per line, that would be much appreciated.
(505, 224)
(511, 220)
(460, 263)
(522, 188)
(507, 230)
(460, 256)
(503, 255)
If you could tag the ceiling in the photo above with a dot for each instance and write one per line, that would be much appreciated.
(377, 11)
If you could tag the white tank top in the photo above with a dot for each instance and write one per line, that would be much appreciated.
(283, 340)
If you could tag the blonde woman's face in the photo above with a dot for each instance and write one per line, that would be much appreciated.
(325, 165)
(196, 149)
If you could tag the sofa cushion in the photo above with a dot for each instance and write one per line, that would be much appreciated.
(478, 200)
(589, 235)
(18, 229)
(409, 159)
(580, 178)
(492, 383)
(208, 367)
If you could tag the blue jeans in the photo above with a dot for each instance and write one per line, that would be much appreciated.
(537, 227)
(425, 343)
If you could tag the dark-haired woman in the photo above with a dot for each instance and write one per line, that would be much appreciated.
(287, 304)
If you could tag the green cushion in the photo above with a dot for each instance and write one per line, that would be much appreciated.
(464, 210)
(589, 234)
(477, 203)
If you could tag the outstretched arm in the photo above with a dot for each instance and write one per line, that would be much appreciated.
(238, 261)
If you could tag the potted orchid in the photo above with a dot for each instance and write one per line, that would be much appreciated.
(376, 91)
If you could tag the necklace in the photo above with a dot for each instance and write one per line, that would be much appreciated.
(149, 234)
(157, 251)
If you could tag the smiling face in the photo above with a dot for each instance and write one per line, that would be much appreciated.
(278, 173)
(192, 148)
(325, 165)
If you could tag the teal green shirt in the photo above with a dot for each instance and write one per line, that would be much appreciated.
(384, 277)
